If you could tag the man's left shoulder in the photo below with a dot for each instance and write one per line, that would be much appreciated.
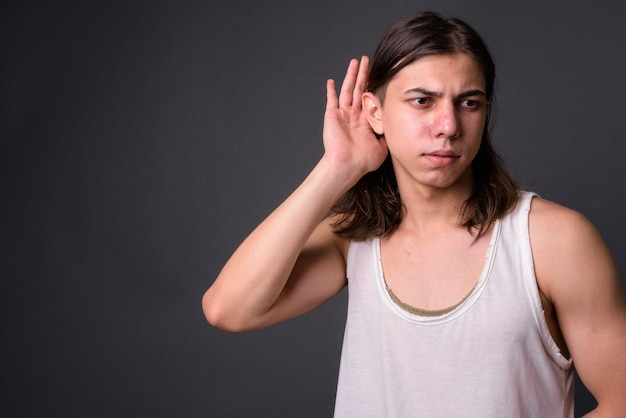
(554, 221)
(570, 256)
(561, 236)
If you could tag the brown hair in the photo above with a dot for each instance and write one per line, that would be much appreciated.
(373, 206)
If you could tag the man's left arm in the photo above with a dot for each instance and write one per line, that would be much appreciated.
(576, 272)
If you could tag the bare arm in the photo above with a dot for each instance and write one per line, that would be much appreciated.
(292, 263)
(578, 275)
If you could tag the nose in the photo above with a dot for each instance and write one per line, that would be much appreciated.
(446, 122)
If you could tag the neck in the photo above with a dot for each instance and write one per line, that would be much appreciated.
(428, 207)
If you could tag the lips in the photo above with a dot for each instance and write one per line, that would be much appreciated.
(442, 157)
(443, 154)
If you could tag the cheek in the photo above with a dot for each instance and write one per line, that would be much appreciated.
(405, 127)
(474, 127)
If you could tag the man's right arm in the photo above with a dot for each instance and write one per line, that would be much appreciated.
(293, 261)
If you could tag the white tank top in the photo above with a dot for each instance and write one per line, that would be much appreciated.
(492, 356)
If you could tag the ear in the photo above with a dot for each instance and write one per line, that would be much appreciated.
(372, 108)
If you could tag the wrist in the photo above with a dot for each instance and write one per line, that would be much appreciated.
(337, 176)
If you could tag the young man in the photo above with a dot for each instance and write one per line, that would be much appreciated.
(467, 297)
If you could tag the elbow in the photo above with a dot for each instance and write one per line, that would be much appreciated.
(218, 316)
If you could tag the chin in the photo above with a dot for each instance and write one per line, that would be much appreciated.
(448, 182)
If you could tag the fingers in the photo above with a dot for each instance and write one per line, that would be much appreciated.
(361, 81)
(349, 81)
(331, 95)
(354, 83)
(352, 88)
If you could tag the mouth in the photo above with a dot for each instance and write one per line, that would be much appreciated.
(441, 158)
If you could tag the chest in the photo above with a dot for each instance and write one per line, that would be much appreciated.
(436, 272)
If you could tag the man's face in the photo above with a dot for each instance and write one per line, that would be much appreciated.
(433, 117)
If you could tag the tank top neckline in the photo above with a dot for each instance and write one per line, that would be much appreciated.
(456, 310)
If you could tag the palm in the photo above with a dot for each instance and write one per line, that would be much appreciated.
(348, 136)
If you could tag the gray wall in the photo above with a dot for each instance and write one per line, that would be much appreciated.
(141, 142)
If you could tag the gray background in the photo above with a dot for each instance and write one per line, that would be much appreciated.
(141, 142)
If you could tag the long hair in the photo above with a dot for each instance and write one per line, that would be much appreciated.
(373, 206)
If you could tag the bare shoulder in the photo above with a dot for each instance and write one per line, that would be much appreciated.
(551, 221)
(561, 234)
(568, 250)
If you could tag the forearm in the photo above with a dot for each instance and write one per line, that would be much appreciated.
(255, 275)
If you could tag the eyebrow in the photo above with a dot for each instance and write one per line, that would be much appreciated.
(469, 93)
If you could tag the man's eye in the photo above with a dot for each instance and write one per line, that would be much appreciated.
(421, 101)
(470, 103)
